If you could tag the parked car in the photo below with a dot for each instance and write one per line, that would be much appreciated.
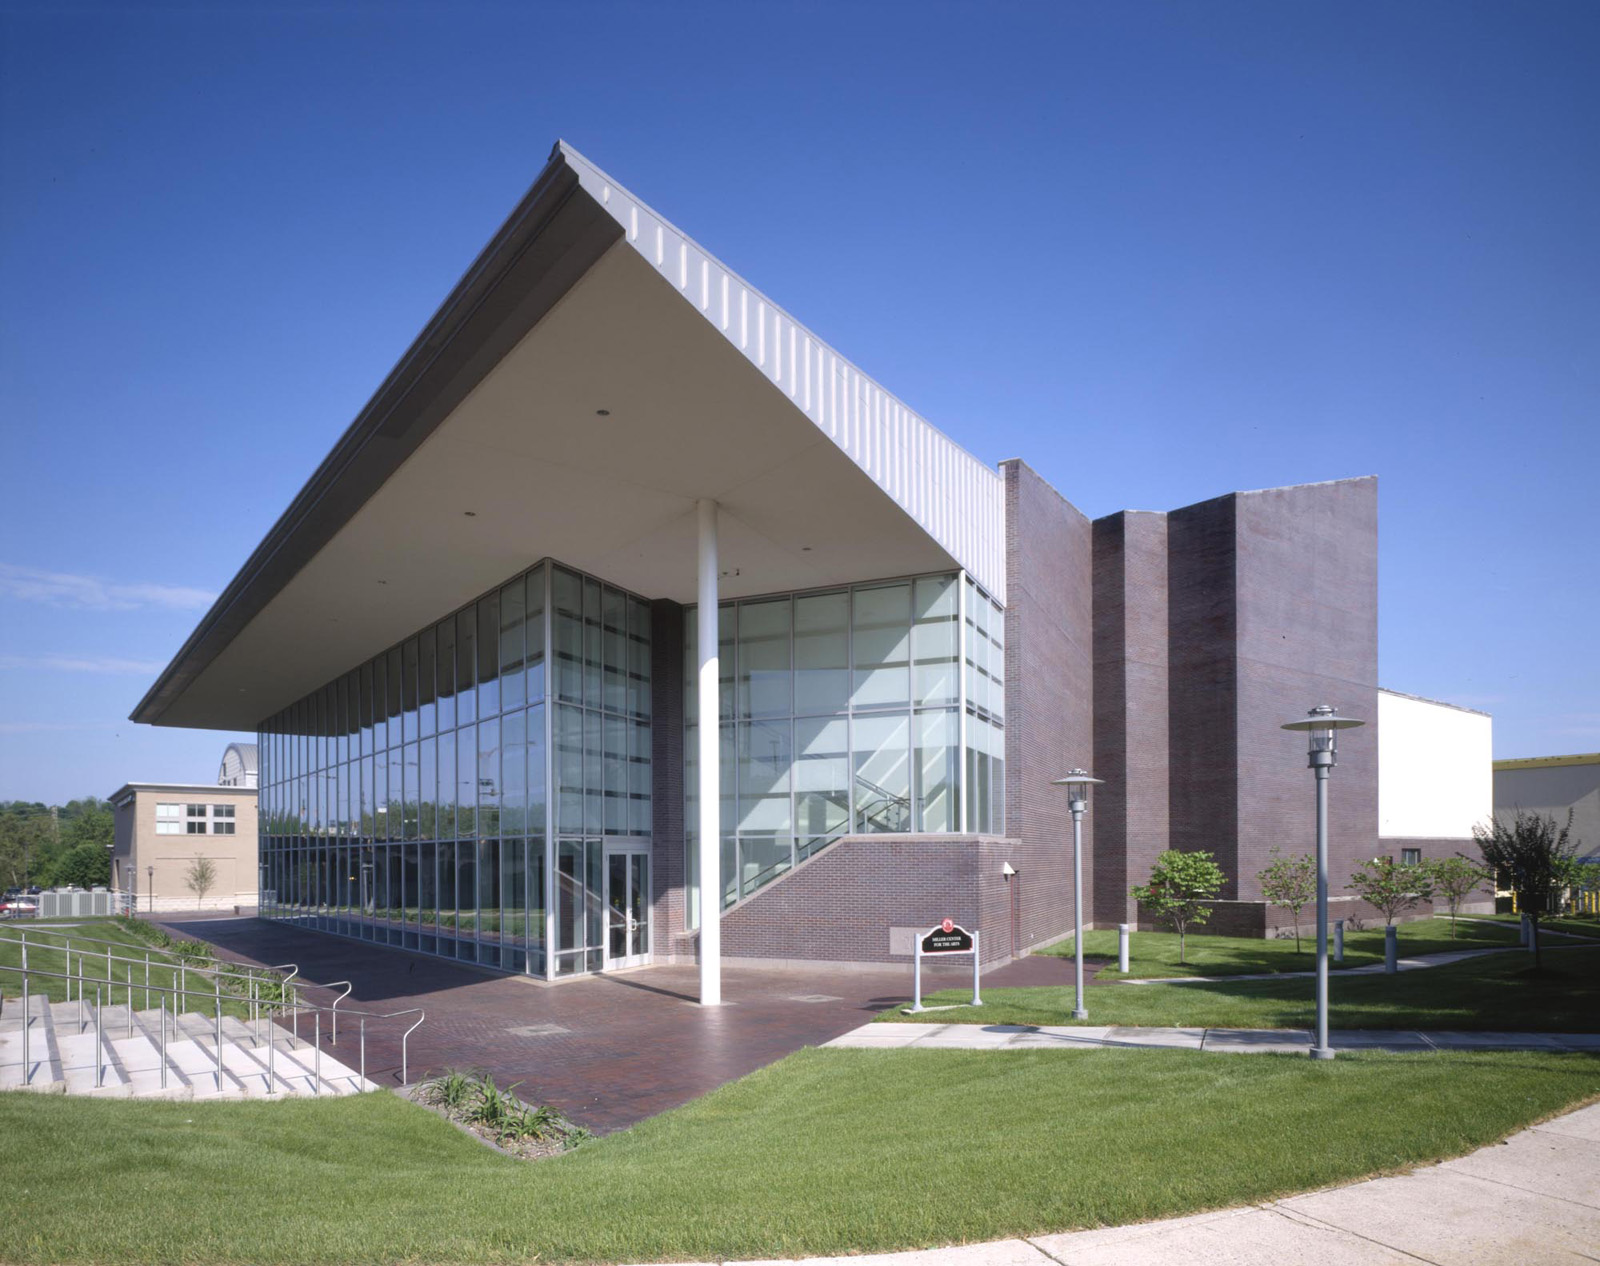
(18, 908)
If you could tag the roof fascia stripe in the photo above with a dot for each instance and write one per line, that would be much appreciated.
(957, 499)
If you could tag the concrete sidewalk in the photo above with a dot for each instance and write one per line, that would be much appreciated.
(1018, 1037)
(1441, 959)
(1534, 1198)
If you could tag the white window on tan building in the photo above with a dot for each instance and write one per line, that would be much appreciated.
(169, 819)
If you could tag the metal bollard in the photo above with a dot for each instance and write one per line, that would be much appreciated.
(1122, 948)
(1338, 940)
(1391, 948)
(1523, 938)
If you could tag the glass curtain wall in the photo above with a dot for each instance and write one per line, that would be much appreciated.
(601, 698)
(840, 713)
(406, 802)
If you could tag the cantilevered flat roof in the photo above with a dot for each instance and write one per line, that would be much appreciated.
(592, 375)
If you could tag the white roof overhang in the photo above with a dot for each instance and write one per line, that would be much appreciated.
(486, 450)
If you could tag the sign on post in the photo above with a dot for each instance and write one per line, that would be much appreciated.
(947, 937)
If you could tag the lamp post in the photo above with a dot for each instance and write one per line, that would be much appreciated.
(150, 888)
(1322, 723)
(1077, 782)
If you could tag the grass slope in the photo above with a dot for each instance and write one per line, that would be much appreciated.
(1498, 991)
(46, 953)
(824, 1152)
(1154, 954)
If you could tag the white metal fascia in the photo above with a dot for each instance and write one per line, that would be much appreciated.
(954, 497)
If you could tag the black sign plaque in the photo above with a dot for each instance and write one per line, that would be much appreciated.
(947, 938)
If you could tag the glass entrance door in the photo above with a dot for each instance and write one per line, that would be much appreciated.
(627, 909)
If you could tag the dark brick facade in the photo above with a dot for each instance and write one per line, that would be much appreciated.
(1164, 651)
(1050, 683)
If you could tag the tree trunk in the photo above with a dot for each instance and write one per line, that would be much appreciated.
(1182, 947)
(1297, 931)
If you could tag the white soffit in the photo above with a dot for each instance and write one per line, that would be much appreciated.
(950, 494)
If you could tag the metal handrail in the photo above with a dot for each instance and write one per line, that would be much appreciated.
(243, 971)
(294, 1007)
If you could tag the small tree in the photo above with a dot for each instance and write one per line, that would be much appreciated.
(1290, 882)
(1391, 886)
(201, 878)
(1180, 885)
(1534, 857)
(1456, 877)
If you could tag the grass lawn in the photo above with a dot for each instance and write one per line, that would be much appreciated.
(1152, 954)
(824, 1152)
(1497, 991)
(1577, 925)
(45, 953)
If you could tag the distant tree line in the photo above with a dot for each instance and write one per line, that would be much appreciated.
(55, 845)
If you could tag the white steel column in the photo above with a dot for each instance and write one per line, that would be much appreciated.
(710, 733)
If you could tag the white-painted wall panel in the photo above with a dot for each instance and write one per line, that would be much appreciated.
(1435, 768)
(957, 500)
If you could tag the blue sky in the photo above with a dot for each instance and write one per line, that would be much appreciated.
(1161, 251)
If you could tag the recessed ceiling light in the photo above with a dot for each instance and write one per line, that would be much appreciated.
(602, 413)
(471, 514)
(805, 549)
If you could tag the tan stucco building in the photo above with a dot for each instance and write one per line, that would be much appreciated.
(163, 827)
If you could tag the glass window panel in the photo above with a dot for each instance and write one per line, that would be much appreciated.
(639, 778)
(489, 655)
(536, 771)
(445, 673)
(567, 631)
(394, 805)
(466, 781)
(513, 893)
(392, 678)
(765, 758)
(569, 768)
(489, 777)
(428, 789)
(427, 885)
(938, 749)
(762, 858)
(427, 698)
(513, 774)
(445, 881)
(638, 657)
(821, 653)
(466, 666)
(933, 638)
(489, 891)
(614, 649)
(822, 776)
(413, 800)
(466, 896)
(535, 634)
(569, 894)
(726, 628)
(447, 786)
(593, 773)
(593, 693)
(513, 643)
(882, 773)
(763, 658)
(408, 688)
(881, 646)
(408, 912)
(617, 783)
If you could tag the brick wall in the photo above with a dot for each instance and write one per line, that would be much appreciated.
(1307, 620)
(1049, 699)
(1131, 684)
(839, 905)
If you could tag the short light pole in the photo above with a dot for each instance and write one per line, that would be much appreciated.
(1322, 723)
(1077, 782)
(150, 889)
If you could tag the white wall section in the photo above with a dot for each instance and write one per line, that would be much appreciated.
(1435, 768)
(953, 496)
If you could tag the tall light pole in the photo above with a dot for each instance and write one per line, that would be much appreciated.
(1322, 723)
(150, 901)
(1077, 782)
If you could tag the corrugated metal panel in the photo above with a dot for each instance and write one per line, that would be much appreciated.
(957, 500)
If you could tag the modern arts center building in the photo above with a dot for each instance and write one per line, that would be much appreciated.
(496, 721)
